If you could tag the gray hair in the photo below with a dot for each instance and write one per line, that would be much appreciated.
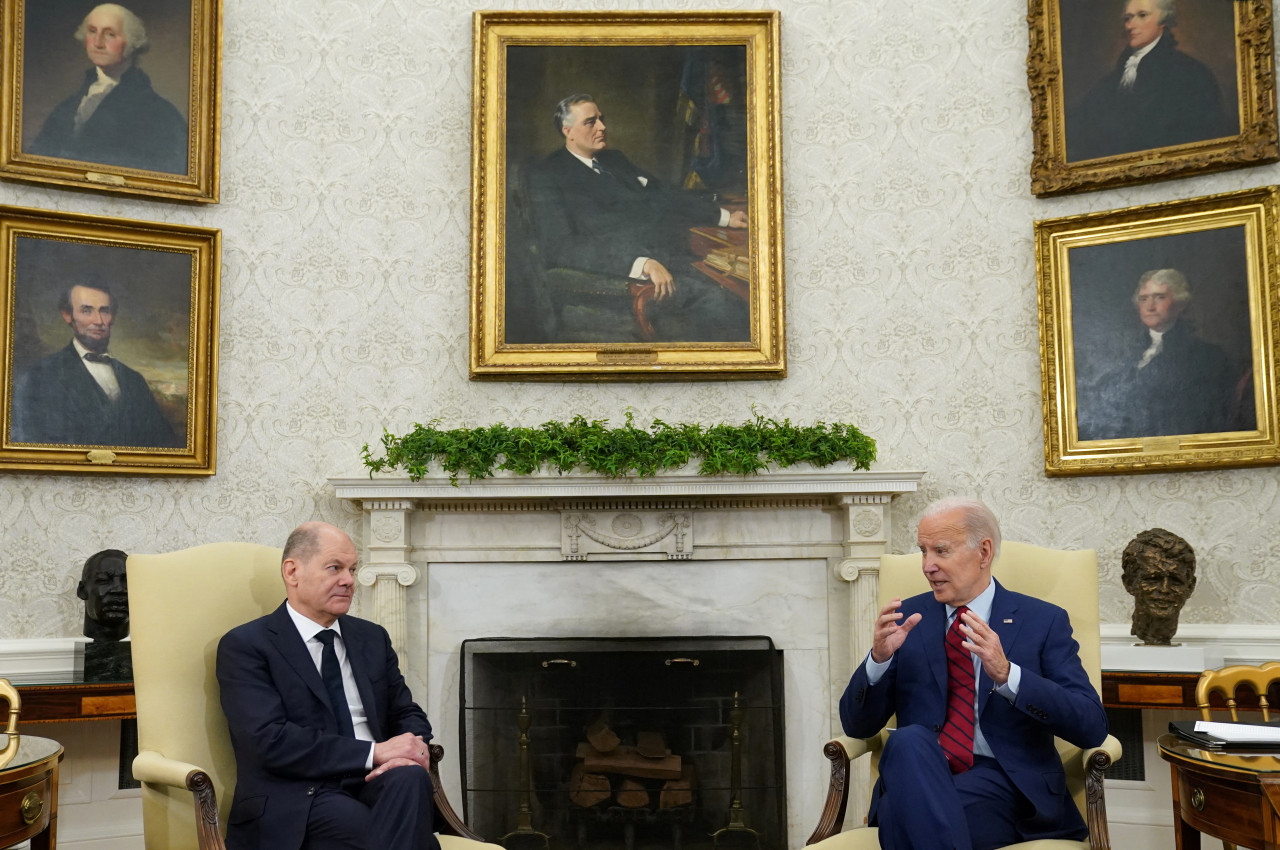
(1172, 278)
(1166, 8)
(135, 34)
(302, 543)
(979, 522)
(563, 117)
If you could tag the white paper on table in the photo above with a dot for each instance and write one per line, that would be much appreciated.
(1240, 732)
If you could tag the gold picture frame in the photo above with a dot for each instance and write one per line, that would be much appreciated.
(1200, 96)
(153, 132)
(1143, 373)
(694, 134)
(108, 344)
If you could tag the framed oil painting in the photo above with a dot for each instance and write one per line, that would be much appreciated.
(108, 346)
(1131, 92)
(114, 97)
(1157, 336)
(626, 212)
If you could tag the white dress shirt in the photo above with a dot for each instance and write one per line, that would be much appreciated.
(308, 629)
(981, 607)
(101, 372)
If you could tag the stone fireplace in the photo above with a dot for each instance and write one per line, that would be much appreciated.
(791, 555)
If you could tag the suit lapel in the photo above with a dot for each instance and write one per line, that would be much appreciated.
(934, 631)
(287, 641)
(1006, 623)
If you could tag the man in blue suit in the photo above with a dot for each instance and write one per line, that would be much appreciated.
(331, 749)
(951, 783)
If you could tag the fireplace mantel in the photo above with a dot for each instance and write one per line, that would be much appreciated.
(793, 553)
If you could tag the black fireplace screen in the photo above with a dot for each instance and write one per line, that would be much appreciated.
(604, 743)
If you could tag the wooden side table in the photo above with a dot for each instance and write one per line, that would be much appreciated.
(1231, 795)
(29, 794)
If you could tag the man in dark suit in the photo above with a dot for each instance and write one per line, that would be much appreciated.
(81, 395)
(115, 117)
(972, 763)
(595, 211)
(1156, 95)
(1167, 379)
(331, 749)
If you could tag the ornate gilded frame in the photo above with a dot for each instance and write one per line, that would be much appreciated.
(1087, 269)
(1052, 70)
(494, 351)
(164, 284)
(184, 62)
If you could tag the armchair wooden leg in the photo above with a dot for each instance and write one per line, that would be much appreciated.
(833, 810)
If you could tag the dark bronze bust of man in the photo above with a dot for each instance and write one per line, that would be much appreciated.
(105, 591)
(1159, 572)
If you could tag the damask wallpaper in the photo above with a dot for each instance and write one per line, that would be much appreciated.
(911, 304)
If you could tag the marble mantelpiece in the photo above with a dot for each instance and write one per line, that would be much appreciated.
(789, 554)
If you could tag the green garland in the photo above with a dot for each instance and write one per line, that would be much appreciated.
(721, 449)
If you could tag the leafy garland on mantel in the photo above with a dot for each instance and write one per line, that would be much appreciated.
(592, 445)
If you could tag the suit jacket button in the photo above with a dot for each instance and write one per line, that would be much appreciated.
(311, 790)
(937, 728)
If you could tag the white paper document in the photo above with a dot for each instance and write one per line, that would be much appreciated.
(1240, 732)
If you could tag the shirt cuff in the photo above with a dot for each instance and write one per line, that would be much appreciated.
(875, 670)
(1009, 690)
(368, 763)
(724, 217)
(637, 269)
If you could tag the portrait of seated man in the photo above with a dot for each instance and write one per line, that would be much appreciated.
(82, 395)
(1167, 379)
(115, 117)
(1155, 96)
(594, 211)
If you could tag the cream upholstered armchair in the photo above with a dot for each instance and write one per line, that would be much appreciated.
(1066, 578)
(180, 606)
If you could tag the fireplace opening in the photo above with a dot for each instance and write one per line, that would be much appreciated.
(624, 743)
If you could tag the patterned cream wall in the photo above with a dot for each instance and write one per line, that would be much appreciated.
(911, 295)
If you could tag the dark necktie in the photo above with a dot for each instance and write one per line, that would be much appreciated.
(957, 730)
(331, 673)
(96, 358)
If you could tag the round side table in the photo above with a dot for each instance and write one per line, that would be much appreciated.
(29, 794)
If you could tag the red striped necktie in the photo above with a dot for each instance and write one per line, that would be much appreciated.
(957, 730)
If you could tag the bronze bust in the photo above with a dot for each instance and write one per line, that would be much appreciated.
(1159, 572)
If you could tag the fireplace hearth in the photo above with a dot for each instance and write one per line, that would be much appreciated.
(624, 743)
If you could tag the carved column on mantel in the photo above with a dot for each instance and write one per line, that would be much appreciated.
(386, 568)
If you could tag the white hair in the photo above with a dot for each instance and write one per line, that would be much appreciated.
(135, 33)
(979, 522)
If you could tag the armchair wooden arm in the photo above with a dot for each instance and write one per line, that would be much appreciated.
(150, 766)
(1095, 762)
(840, 752)
(447, 821)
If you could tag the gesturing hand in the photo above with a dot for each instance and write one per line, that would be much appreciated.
(982, 641)
(889, 634)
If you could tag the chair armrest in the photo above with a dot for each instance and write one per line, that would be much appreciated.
(153, 768)
(840, 752)
(447, 821)
(1096, 761)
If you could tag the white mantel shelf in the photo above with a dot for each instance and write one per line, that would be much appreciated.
(832, 480)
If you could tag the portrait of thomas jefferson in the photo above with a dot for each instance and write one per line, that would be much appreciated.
(1162, 336)
(112, 113)
(1149, 80)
